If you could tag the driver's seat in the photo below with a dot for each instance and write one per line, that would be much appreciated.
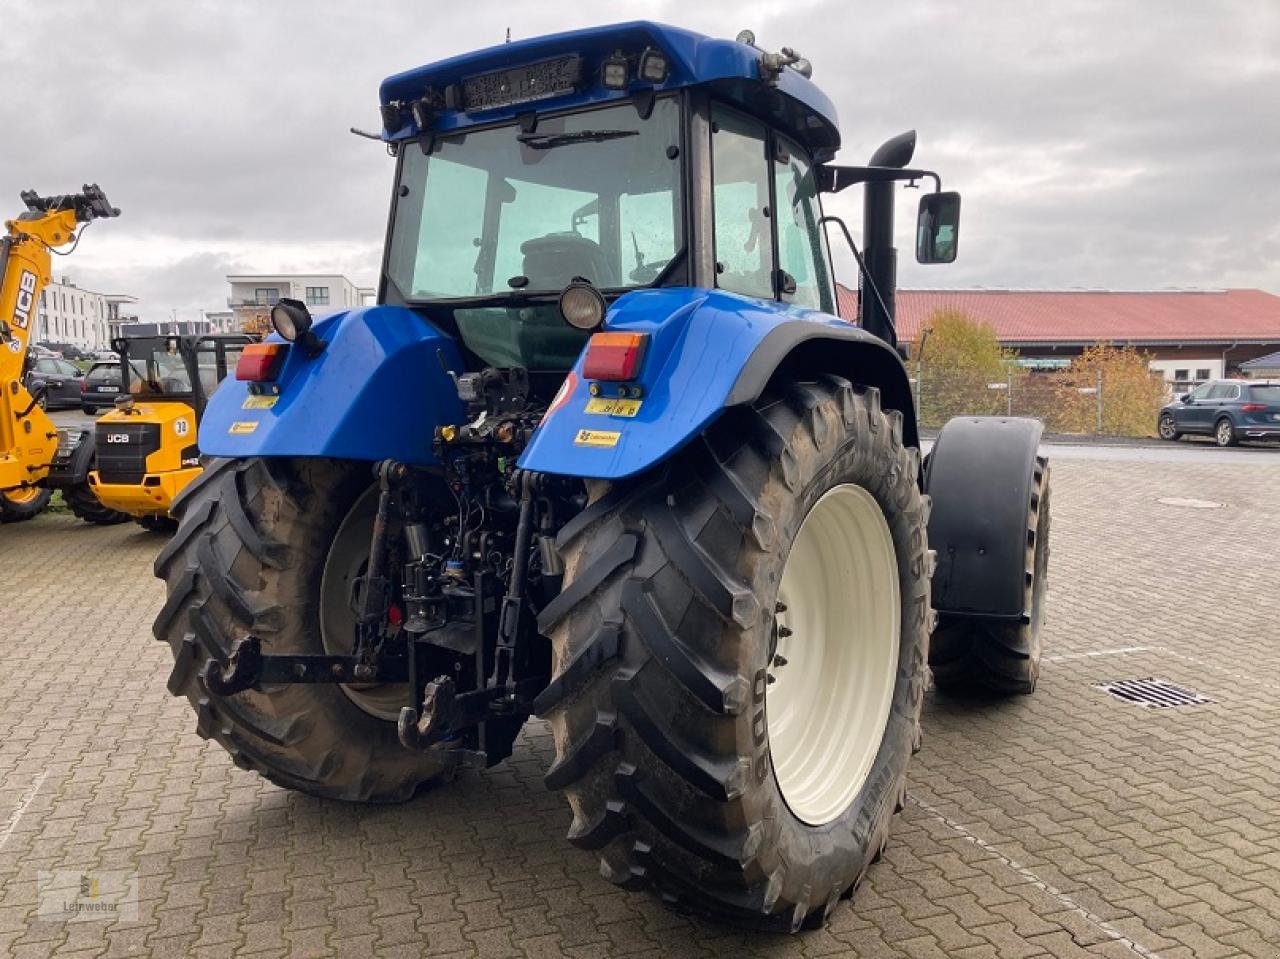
(552, 261)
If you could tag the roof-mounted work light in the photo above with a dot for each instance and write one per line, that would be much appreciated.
(654, 67)
(614, 71)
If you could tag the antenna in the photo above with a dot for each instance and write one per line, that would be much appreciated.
(508, 34)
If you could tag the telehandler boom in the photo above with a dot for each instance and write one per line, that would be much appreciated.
(29, 441)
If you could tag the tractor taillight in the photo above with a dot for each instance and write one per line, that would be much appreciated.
(260, 361)
(614, 356)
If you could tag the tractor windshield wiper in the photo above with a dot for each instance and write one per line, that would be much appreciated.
(548, 141)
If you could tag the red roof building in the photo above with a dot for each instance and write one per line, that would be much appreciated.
(1192, 335)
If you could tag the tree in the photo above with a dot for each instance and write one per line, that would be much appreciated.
(1131, 392)
(960, 360)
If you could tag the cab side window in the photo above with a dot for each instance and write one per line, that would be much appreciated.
(740, 198)
(802, 253)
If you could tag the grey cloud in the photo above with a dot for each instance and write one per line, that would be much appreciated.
(1096, 143)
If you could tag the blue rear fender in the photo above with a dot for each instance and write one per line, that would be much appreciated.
(707, 350)
(377, 391)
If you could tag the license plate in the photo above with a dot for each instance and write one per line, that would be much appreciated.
(108, 389)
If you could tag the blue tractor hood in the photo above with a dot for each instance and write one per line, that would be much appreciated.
(791, 102)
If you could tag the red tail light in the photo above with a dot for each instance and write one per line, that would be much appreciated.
(1253, 408)
(614, 356)
(260, 361)
(84, 386)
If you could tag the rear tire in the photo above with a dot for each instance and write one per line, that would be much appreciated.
(994, 657)
(248, 557)
(82, 501)
(664, 639)
(23, 504)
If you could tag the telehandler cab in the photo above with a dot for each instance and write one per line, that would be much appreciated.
(35, 456)
(147, 446)
(603, 452)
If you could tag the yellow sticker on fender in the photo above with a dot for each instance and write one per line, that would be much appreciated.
(258, 402)
(241, 427)
(613, 407)
(596, 438)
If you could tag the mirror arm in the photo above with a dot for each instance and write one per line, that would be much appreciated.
(862, 266)
(833, 179)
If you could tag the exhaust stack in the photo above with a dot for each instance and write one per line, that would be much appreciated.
(877, 240)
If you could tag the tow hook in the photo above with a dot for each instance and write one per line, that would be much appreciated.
(419, 730)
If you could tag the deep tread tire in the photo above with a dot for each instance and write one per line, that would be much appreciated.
(12, 511)
(661, 641)
(82, 501)
(992, 658)
(247, 557)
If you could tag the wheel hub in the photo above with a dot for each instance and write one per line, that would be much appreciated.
(834, 667)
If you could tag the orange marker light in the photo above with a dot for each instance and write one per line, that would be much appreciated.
(614, 356)
(260, 361)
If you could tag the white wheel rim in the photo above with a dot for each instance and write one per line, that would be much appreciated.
(833, 675)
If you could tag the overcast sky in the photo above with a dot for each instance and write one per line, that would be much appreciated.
(1097, 144)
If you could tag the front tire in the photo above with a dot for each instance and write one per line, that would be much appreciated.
(985, 657)
(249, 557)
(1224, 433)
(20, 505)
(1166, 427)
(679, 756)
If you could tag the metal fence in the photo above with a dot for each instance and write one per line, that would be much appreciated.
(1067, 401)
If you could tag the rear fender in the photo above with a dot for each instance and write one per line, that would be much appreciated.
(980, 475)
(708, 350)
(378, 390)
(73, 460)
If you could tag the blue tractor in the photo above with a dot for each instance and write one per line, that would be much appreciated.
(603, 452)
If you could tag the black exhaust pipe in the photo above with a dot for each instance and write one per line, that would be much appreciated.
(877, 240)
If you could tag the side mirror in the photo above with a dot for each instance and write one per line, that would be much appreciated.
(938, 228)
(1185, 398)
(37, 386)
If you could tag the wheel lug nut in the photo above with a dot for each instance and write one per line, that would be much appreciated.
(780, 608)
(772, 679)
(783, 632)
(779, 660)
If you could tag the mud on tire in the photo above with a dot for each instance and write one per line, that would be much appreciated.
(990, 657)
(247, 557)
(661, 638)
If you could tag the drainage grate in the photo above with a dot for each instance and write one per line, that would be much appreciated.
(1153, 693)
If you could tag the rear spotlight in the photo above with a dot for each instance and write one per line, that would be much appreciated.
(292, 320)
(653, 66)
(582, 306)
(613, 72)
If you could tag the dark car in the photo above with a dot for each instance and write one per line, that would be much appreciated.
(101, 386)
(61, 379)
(1227, 410)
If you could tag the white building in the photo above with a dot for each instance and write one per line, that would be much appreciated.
(222, 321)
(253, 295)
(82, 318)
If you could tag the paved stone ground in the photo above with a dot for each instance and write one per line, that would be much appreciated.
(1066, 824)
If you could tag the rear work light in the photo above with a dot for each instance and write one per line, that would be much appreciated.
(260, 361)
(614, 356)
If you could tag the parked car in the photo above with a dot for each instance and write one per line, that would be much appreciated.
(1227, 410)
(102, 384)
(68, 351)
(37, 351)
(105, 354)
(61, 379)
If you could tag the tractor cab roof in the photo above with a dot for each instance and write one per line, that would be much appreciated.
(565, 70)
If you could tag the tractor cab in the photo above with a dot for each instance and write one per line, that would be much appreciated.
(146, 447)
(622, 159)
(180, 369)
